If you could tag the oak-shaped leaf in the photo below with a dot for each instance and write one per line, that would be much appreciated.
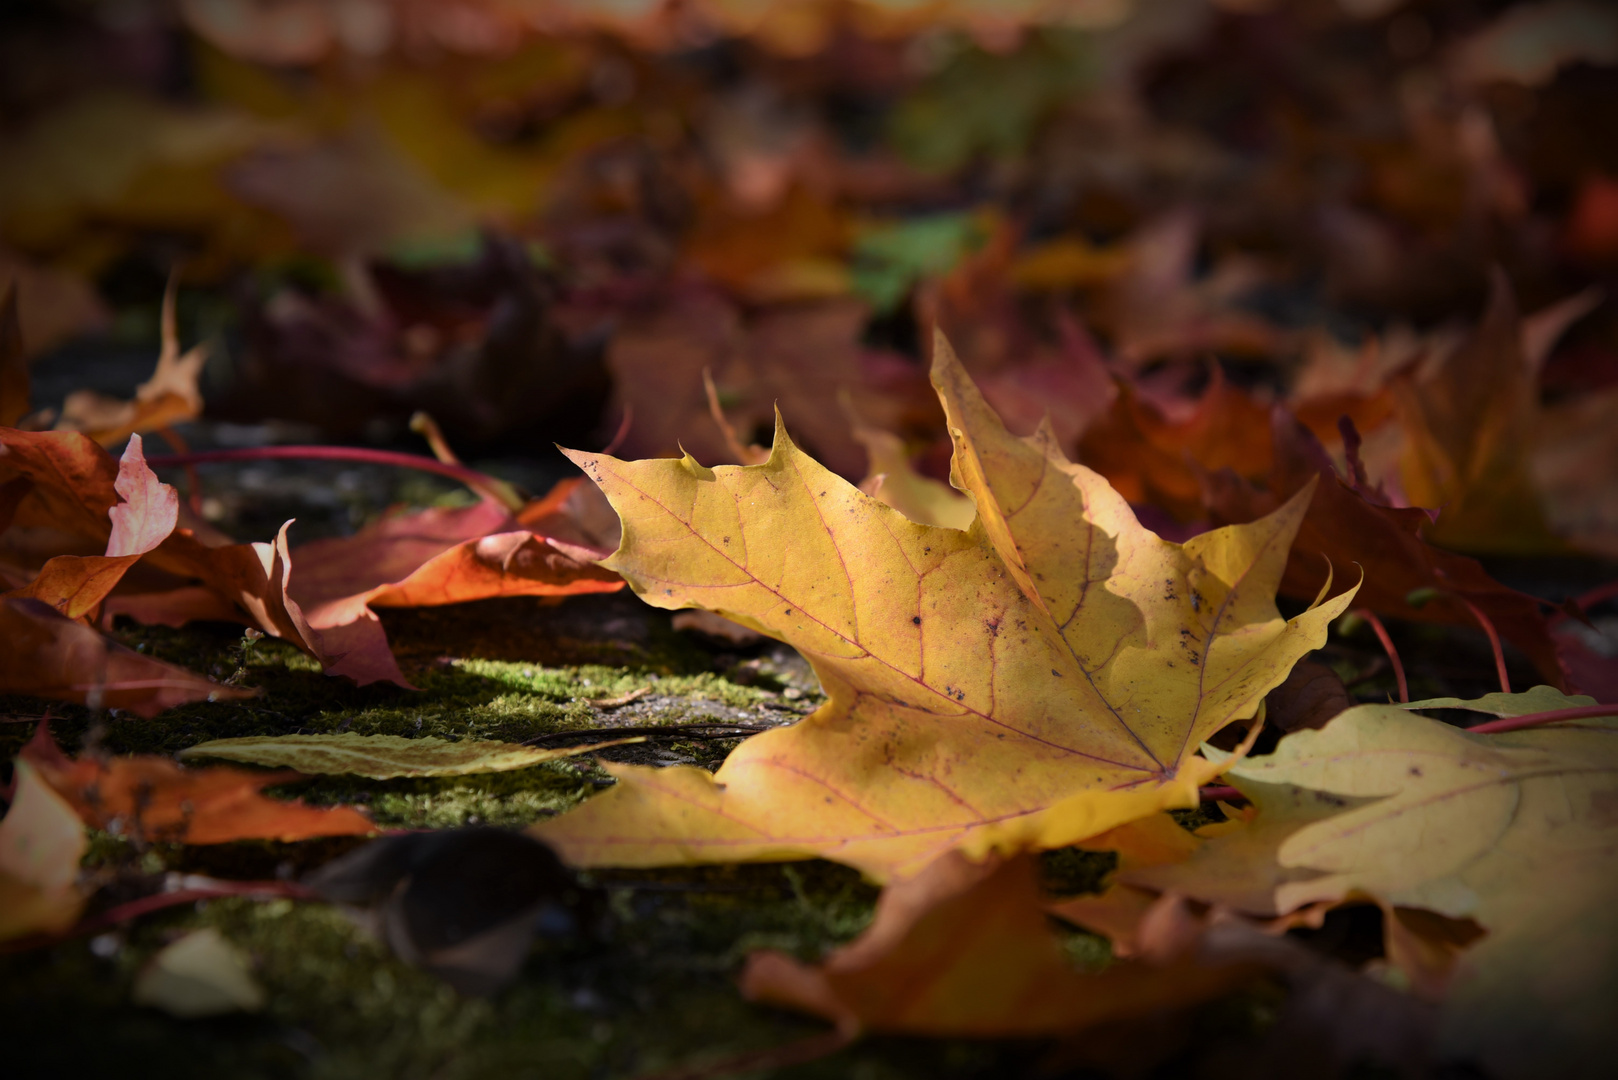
(1038, 678)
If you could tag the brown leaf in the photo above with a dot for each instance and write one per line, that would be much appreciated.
(76, 585)
(1311, 695)
(1343, 528)
(965, 949)
(49, 655)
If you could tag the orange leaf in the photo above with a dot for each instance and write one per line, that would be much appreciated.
(51, 656)
(965, 949)
(155, 799)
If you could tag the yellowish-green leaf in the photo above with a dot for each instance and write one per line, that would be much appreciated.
(383, 757)
(1517, 830)
(1537, 700)
(1055, 654)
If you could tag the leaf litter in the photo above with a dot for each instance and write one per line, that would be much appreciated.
(1270, 311)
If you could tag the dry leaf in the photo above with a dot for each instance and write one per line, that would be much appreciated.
(49, 655)
(41, 843)
(1035, 680)
(76, 585)
(154, 799)
(382, 757)
(201, 974)
(965, 949)
(169, 397)
(1513, 830)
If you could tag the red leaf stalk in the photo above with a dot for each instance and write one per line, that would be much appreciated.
(1512, 723)
(486, 486)
(1494, 642)
(1387, 646)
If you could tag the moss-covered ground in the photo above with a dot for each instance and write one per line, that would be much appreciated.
(650, 992)
(653, 990)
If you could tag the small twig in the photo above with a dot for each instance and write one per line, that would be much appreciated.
(488, 486)
(1387, 646)
(621, 699)
(1494, 641)
(1512, 723)
(1215, 792)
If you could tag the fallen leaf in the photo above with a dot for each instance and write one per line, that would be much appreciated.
(1344, 527)
(1514, 830)
(76, 585)
(41, 843)
(152, 798)
(1159, 460)
(892, 480)
(51, 656)
(965, 948)
(809, 354)
(955, 661)
(199, 975)
(169, 397)
(464, 904)
(383, 757)
(1469, 426)
(1535, 700)
(1312, 694)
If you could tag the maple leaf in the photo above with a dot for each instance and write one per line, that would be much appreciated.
(1055, 653)
(154, 798)
(169, 397)
(1512, 830)
(76, 585)
(805, 353)
(51, 656)
(41, 843)
(1343, 527)
(965, 949)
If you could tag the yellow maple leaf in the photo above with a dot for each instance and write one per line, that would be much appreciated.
(1036, 679)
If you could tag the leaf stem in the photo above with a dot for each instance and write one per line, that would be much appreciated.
(1494, 641)
(1387, 646)
(484, 485)
(1512, 723)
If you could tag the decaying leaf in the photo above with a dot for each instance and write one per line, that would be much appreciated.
(41, 843)
(1042, 677)
(201, 974)
(155, 799)
(965, 949)
(382, 757)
